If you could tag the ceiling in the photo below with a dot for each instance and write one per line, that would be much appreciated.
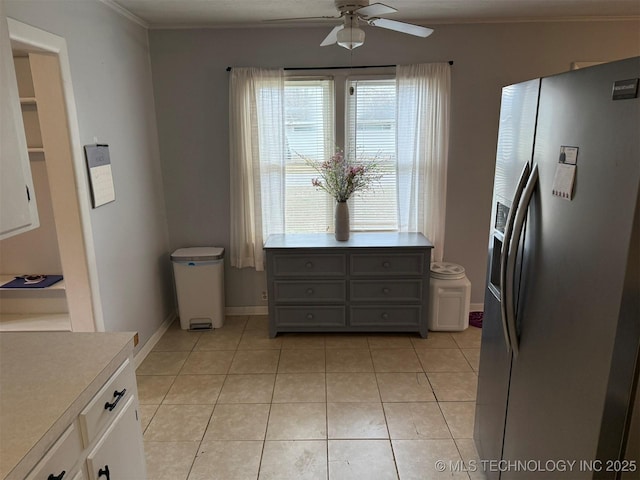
(231, 13)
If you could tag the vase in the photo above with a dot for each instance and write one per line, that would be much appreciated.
(342, 221)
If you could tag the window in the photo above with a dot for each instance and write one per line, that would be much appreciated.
(276, 120)
(310, 131)
(371, 131)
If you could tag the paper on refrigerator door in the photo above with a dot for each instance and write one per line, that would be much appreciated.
(565, 172)
(563, 181)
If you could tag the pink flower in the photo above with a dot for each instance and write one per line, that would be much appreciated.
(343, 175)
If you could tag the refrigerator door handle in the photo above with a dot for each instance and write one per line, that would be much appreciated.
(504, 256)
(518, 227)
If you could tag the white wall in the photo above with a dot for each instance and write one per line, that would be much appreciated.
(190, 84)
(112, 84)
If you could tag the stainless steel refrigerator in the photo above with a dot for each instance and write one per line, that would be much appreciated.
(561, 330)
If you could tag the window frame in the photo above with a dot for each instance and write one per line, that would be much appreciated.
(341, 77)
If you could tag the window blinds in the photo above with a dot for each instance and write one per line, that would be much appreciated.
(309, 130)
(371, 135)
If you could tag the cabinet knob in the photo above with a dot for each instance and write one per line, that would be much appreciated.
(308, 264)
(309, 316)
(385, 316)
(117, 395)
(309, 291)
(386, 264)
(386, 290)
(104, 472)
(56, 477)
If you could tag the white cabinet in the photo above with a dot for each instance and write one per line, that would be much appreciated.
(111, 429)
(119, 451)
(104, 442)
(18, 211)
(61, 458)
(79, 476)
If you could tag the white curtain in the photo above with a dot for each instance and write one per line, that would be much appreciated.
(423, 93)
(257, 150)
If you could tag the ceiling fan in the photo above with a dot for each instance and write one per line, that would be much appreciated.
(354, 13)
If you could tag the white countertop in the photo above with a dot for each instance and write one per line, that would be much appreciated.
(46, 378)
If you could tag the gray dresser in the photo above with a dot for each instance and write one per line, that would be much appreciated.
(374, 282)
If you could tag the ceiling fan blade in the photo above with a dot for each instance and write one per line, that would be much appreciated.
(409, 28)
(375, 10)
(332, 37)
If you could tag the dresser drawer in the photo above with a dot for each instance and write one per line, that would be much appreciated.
(387, 316)
(311, 316)
(385, 290)
(319, 291)
(61, 457)
(316, 265)
(388, 264)
(108, 402)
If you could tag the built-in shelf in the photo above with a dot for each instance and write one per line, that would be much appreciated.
(35, 149)
(28, 101)
(35, 322)
(7, 278)
(33, 309)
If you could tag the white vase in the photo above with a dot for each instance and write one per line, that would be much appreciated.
(342, 221)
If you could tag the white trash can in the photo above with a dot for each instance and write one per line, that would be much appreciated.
(199, 276)
(449, 297)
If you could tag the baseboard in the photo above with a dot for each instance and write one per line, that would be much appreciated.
(252, 310)
(476, 307)
(155, 338)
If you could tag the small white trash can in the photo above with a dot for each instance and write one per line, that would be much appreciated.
(449, 297)
(199, 277)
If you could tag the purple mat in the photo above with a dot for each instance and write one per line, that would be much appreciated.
(20, 282)
(475, 319)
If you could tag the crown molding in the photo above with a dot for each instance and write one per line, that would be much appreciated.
(125, 13)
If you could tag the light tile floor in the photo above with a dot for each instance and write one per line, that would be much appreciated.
(235, 404)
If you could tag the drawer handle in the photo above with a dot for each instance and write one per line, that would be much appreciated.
(386, 264)
(385, 316)
(308, 264)
(56, 477)
(309, 291)
(117, 395)
(309, 316)
(104, 472)
(386, 290)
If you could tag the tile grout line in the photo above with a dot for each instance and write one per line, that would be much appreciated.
(278, 364)
(210, 416)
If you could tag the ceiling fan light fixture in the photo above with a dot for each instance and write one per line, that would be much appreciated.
(350, 37)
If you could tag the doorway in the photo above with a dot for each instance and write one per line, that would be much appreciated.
(57, 164)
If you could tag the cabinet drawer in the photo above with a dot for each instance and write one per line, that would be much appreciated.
(375, 316)
(386, 290)
(309, 265)
(61, 457)
(108, 402)
(390, 264)
(327, 291)
(311, 316)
